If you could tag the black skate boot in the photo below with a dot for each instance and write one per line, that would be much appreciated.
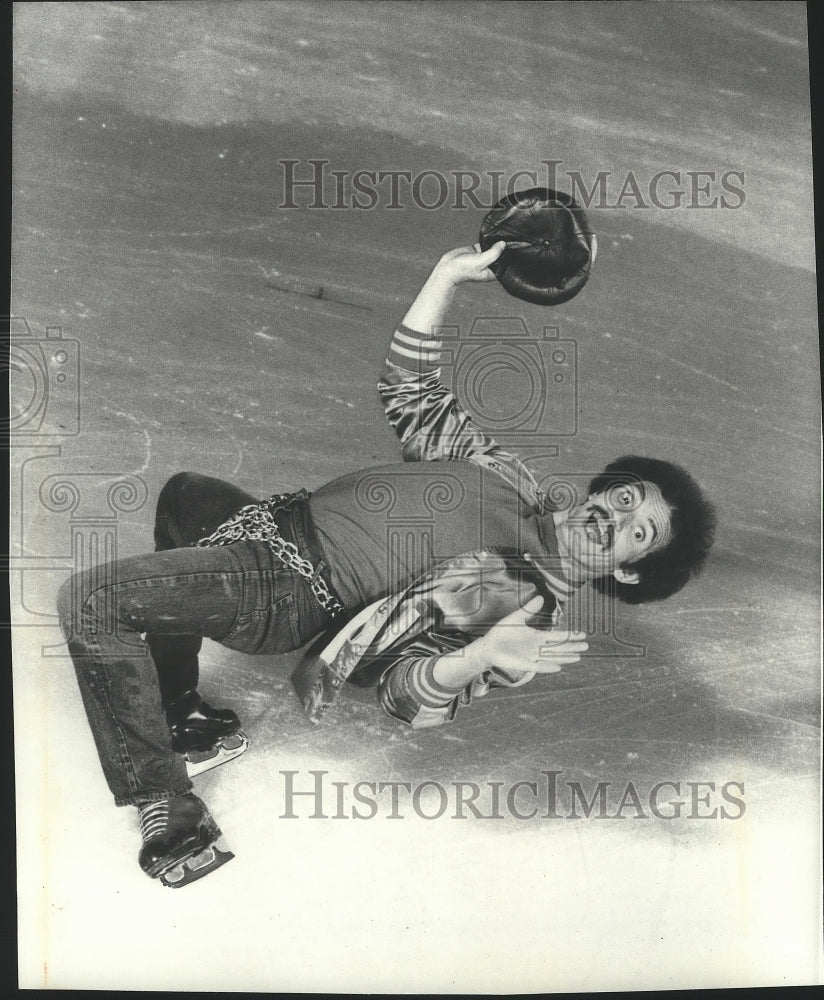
(179, 840)
(205, 736)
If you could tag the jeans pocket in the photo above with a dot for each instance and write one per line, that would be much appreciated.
(267, 630)
(283, 632)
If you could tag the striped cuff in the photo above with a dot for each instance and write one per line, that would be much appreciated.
(414, 352)
(423, 687)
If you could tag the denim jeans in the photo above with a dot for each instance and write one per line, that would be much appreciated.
(134, 629)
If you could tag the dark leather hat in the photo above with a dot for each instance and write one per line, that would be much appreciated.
(550, 245)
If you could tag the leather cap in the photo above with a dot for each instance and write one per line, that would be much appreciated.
(550, 245)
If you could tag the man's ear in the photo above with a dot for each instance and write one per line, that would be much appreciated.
(628, 575)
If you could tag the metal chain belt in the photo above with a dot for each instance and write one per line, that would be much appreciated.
(256, 523)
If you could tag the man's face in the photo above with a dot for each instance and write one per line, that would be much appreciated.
(616, 528)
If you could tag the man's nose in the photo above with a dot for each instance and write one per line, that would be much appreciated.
(621, 518)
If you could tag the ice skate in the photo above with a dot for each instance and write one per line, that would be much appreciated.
(207, 737)
(224, 750)
(179, 840)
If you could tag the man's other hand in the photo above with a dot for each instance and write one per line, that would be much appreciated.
(511, 644)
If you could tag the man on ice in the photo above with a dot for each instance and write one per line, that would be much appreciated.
(433, 626)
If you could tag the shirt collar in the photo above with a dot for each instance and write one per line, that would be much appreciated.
(553, 561)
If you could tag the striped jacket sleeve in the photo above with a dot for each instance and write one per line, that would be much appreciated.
(408, 691)
(426, 416)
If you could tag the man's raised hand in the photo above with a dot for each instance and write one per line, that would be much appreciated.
(427, 312)
(469, 263)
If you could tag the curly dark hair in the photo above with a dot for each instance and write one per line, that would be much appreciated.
(693, 520)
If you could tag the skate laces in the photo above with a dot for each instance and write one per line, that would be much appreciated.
(153, 817)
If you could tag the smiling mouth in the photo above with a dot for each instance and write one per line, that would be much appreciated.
(599, 529)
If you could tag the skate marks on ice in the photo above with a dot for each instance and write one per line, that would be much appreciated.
(431, 85)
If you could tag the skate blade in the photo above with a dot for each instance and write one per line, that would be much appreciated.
(196, 867)
(198, 761)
